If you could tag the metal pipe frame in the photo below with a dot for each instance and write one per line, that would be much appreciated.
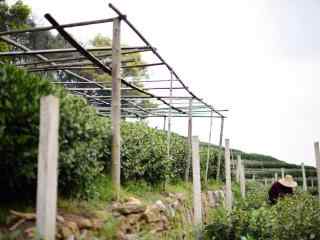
(125, 19)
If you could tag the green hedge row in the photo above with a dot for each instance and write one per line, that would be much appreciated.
(84, 141)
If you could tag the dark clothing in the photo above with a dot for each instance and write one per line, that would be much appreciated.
(278, 190)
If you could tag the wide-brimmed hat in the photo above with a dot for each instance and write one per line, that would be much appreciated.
(288, 181)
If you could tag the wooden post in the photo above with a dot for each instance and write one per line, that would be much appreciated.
(197, 220)
(253, 177)
(48, 167)
(164, 123)
(220, 148)
(228, 175)
(189, 143)
(265, 182)
(208, 150)
(116, 107)
(242, 180)
(282, 172)
(312, 183)
(304, 180)
(275, 176)
(238, 169)
(317, 156)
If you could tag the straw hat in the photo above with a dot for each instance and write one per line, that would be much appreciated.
(288, 181)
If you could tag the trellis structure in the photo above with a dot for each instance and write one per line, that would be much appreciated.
(124, 97)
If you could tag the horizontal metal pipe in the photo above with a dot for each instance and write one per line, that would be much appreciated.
(68, 25)
(64, 50)
(109, 89)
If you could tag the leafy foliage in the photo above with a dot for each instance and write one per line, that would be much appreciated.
(295, 217)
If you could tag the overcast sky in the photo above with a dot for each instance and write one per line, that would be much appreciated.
(259, 58)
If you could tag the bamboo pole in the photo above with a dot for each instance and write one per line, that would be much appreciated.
(116, 107)
(208, 150)
(228, 175)
(48, 167)
(220, 149)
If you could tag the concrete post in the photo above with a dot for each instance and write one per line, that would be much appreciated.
(228, 175)
(116, 108)
(197, 202)
(242, 181)
(189, 143)
(282, 172)
(317, 157)
(48, 167)
(304, 180)
(238, 169)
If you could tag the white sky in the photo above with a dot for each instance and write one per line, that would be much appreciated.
(259, 58)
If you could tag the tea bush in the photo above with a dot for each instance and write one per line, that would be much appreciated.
(81, 136)
(84, 141)
(296, 217)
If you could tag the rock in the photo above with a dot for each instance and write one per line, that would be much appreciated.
(60, 219)
(152, 214)
(65, 232)
(83, 223)
(161, 205)
(133, 200)
(132, 205)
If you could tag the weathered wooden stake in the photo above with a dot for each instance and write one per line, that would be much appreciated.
(242, 180)
(238, 169)
(312, 183)
(48, 167)
(208, 150)
(317, 156)
(116, 107)
(164, 123)
(304, 180)
(275, 176)
(197, 202)
(189, 143)
(282, 172)
(265, 182)
(253, 177)
(228, 175)
(220, 149)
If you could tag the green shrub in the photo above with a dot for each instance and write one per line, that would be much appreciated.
(296, 217)
(81, 136)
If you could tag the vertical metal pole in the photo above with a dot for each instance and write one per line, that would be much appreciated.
(189, 143)
(169, 125)
(282, 172)
(164, 123)
(317, 156)
(220, 148)
(116, 107)
(208, 150)
(304, 180)
(48, 167)
(197, 202)
(228, 175)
